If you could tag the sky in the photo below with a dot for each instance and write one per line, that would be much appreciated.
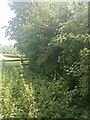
(5, 15)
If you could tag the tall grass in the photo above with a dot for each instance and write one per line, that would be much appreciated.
(26, 97)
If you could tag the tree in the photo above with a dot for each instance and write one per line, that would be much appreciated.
(37, 25)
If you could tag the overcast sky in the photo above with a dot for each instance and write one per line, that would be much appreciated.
(5, 15)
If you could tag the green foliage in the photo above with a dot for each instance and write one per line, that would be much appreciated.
(53, 83)
(17, 95)
(53, 100)
(36, 25)
(39, 98)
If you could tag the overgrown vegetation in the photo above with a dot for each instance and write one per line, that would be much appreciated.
(53, 83)
(39, 98)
